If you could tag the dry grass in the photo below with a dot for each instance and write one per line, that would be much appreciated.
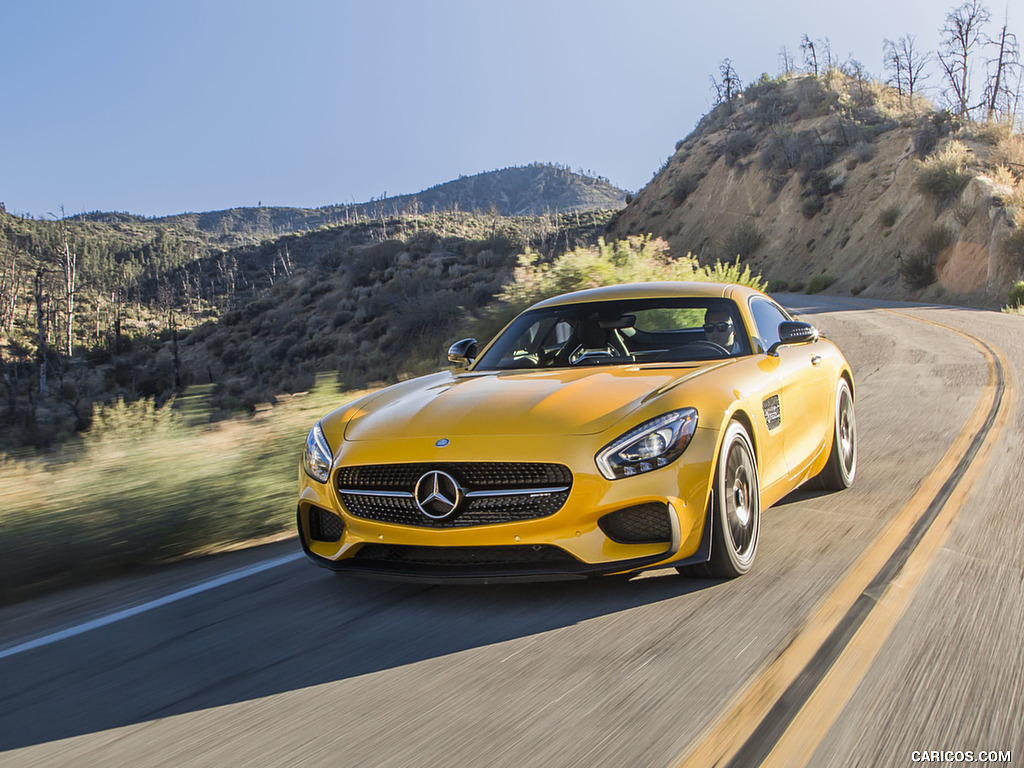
(1009, 152)
(145, 488)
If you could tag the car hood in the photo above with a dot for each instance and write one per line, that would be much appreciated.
(563, 402)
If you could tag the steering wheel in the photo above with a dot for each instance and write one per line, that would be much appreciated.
(709, 346)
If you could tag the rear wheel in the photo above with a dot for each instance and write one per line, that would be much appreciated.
(735, 509)
(841, 467)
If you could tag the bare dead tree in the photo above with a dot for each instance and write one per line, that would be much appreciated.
(907, 65)
(10, 285)
(728, 87)
(42, 311)
(1003, 71)
(892, 60)
(961, 36)
(69, 263)
(917, 63)
(786, 64)
(825, 46)
(810, 55)
(286, 261)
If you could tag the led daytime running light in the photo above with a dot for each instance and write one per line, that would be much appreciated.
(650, 446)
(317, 457)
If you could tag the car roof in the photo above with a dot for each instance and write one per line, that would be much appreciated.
(652, 290)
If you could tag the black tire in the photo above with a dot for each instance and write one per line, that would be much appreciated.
(841, 467)
(735, 509)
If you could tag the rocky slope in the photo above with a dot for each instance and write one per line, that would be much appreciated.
(807, 177)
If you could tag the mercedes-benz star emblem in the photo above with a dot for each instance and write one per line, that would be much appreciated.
(437, 495)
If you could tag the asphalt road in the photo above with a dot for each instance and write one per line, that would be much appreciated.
(294, 665)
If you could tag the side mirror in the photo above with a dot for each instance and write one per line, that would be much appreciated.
(462, 352)
(792, 332)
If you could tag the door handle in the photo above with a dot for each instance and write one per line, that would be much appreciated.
(815, 360)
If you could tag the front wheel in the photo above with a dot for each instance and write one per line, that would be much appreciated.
(735, 509)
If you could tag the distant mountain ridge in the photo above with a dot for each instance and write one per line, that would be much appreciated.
(517, 191)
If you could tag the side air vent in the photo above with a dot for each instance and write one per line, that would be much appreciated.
(772, 412)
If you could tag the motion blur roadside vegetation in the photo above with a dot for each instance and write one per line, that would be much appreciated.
(148, 485)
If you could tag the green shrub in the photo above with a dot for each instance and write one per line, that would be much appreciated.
(1016, 295)
(818, 183)
(762, 87)
(935, 240)
(633, 260)
(925, 139)
(776, 285)
(917, 270)
(863, 151)
(121, 420)
(945, 175)
(1013, 248)
(963, 213)
(743, 241)
(738, 144)
(819, 283)
(888, 215)
(811, 205)
(782, 151)
(684, 187)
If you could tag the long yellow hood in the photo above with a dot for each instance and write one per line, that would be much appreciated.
(564, 402)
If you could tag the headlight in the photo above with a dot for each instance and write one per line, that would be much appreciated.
(652, 445)
(317, 458)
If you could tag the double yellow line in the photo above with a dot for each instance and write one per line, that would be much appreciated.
(782, 715)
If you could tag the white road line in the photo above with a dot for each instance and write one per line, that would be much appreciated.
(127, 613)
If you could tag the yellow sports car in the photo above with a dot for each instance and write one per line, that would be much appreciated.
(605, 431)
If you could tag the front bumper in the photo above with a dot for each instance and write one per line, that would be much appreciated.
(569, 544)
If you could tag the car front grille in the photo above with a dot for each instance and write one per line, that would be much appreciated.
(493, 492)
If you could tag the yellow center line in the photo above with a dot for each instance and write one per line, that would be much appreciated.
(724, 737)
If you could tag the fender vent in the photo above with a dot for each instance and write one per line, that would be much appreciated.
(772, 412)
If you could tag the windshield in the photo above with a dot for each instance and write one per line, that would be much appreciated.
(659, 330)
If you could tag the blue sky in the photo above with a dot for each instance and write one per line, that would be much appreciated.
(159, 108)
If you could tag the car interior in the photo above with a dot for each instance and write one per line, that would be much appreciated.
(615, 333)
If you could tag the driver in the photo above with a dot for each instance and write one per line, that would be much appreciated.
(719, 329)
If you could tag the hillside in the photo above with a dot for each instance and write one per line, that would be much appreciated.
(520, 191)
(807, 177)
(156, 313)
(815, 183)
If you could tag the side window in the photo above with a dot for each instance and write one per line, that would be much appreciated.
(767, 317)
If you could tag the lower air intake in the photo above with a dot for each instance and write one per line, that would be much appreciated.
(640, 524)
(324, 525)
(460, 556)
